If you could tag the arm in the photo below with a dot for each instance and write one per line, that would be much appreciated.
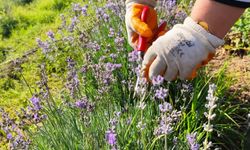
(219, 17)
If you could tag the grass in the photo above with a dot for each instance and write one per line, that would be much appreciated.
(34, 20)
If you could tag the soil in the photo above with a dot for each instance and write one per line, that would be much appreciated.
(238, 68)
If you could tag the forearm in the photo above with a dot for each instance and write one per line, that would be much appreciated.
(219, 17)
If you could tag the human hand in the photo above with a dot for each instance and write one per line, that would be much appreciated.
(135, 27)
(180, 52)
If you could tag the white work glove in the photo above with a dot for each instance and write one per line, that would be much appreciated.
(180, 52)
(135, 26)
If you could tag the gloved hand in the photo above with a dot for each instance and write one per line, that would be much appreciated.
(180, 52)
(135, 26)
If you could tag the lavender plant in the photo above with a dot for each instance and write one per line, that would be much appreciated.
(100, 106)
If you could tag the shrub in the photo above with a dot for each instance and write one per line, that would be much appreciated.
(23, 2)
(7, 24)
(3, 54)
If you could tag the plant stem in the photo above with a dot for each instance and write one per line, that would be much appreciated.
(166, 143)
(27, 84)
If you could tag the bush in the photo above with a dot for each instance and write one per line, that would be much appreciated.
(3, 54)
(23, 2)
(7, 24)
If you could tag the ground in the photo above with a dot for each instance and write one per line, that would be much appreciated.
(238, 68)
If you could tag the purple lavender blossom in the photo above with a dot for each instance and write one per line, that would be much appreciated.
(171, 4)
(106, 17)
(84, 10)
(111, 137)
(111, 67)
(113, 122)
(93, 46)
(161, 93)
(76, 7)
(36, 103)
(74, 21)
(81, 104)
(113, 7)
(181, 15)
(43, 45)
(119, 41)
(191, 138)
(129, 120)
(51, 35)
(158, 80)
(99, 13)
(111, 32)
(72, 78)
(84, 69)
(165, 107)
(133, 56)
(113, 56)
(9, 136)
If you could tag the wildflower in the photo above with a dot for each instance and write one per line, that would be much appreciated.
(119, 41)
(36, 102)
(211, 105)
(113, 56)
(74, 21)
(208, 127)
(133, 56)
(111, 137)
(84, 69)
(111, 67)
(113, 122)
(84, 10)
(111, 32)
(118, 114)
(161, 93)
(113, 7)
(81, 104)
(51, 35)
(72, 78)
(191, 138)
(181, 15)
(76, 7)
(94, 46)
(167, 120)
(43, 45)
(129, 120)
(165, 107)
(99, 13)
(157, 80)
(175, 140)
(9, 136)
(106, 17)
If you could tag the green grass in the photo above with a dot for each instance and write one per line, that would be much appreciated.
(33, 20)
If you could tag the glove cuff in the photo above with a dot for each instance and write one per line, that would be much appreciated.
(151, 3)
(214, 40)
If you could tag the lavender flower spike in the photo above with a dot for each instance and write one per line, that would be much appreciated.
(191, 138)
(161, 93)
(111, 137)
(157, 80)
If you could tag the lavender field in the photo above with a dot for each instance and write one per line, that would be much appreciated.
(79, 91)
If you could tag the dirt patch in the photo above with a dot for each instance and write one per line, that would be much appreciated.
(238, 68)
